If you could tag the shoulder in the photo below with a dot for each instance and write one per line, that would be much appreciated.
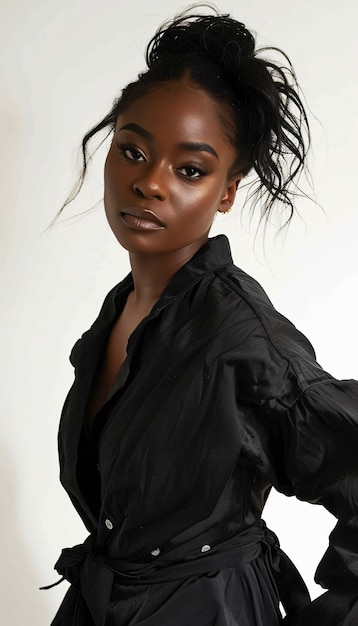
(269, 341)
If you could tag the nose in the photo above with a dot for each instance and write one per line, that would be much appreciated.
(151, 183)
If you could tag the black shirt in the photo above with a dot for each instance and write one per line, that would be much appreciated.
(220, 398)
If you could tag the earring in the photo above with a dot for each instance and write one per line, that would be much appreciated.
(226, 212)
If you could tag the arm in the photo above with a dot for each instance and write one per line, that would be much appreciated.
(319, 436)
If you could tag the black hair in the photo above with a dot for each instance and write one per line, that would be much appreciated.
(267, 123)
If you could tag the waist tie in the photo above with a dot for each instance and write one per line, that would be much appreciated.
(85, 567)
(291, 587)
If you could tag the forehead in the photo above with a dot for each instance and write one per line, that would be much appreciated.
(178, 110)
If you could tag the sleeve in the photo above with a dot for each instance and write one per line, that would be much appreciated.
(310, 450)
(300, 429)
(321, 442)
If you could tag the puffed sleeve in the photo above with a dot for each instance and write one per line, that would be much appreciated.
(299, 428)
(321, 440)
(310, 450)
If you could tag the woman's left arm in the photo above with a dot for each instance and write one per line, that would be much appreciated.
(321, 461)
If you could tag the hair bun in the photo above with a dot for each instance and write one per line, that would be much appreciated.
(218, 37)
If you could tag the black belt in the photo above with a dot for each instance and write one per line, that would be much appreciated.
(85, 567)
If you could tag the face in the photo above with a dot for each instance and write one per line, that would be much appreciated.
(168, 171)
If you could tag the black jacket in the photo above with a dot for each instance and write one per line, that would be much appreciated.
(220, 398)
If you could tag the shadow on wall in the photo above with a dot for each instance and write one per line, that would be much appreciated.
(19, 602)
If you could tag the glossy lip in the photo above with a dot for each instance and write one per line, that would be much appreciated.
(141, 219)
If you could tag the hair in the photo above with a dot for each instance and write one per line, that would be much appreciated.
(267, 123)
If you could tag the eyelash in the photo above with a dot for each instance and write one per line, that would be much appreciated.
(124, 148)
(196, 168)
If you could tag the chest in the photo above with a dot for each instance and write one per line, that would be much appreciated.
(112, 359)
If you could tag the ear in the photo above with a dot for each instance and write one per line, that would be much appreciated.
(229, 196)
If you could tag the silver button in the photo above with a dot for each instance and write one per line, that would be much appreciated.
(155, 552)
(205, 548)
(109, 524)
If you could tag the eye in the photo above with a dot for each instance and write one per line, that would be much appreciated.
(191, 171)
(130, 153)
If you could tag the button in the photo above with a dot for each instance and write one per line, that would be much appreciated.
(109, 524)
(155, 552)
(205, 548)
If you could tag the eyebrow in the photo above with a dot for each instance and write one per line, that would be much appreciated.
(186, 145)
(137, 129)
(200, 147)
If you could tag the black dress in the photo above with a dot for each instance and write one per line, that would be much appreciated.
(219, 398)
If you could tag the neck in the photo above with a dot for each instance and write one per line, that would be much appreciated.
(152, 273)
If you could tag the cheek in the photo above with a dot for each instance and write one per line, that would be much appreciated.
(196, 197)
(198, 217)
(203, 203)
(111, 180)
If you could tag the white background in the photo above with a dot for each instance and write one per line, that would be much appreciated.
(62, 64)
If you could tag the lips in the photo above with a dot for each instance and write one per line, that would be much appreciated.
(141, 219)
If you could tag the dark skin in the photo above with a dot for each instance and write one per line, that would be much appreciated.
(168, 171)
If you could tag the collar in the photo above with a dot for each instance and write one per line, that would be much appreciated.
(214, 254)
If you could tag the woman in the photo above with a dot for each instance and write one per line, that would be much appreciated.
(192, 395)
